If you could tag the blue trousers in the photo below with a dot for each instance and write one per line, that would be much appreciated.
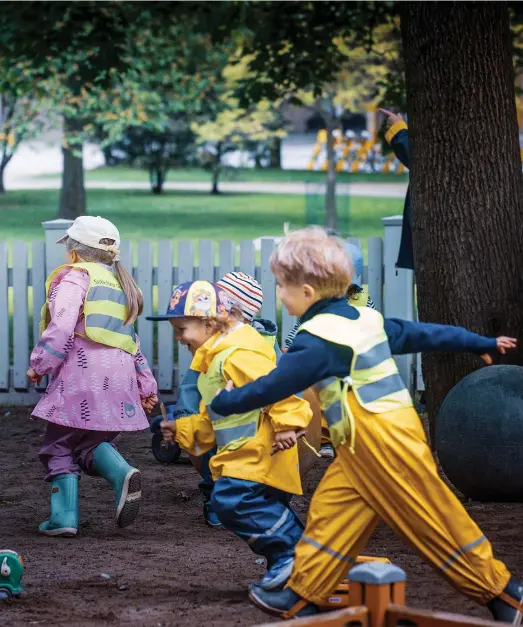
(258, 514)
(206, 485)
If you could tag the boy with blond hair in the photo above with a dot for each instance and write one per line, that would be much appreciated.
(384, 468)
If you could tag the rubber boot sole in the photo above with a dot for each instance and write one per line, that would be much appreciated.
(63, 532)
(129, 504)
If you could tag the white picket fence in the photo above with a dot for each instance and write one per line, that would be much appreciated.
(24, 288)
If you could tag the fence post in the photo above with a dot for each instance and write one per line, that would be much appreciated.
(398, 301)
(376, 585)
(54, 253)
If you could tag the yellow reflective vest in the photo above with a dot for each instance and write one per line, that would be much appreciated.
(105, 308)
(373, 375)
(234, 431)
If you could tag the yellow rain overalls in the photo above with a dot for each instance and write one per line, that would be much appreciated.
(390, 474)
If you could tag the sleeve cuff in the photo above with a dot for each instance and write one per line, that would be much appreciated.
(394, 130)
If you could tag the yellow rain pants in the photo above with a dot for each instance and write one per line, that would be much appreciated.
(392, 476)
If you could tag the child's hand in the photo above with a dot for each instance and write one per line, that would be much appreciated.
(33, 376)
(503, 344)
(168, 428)
(392, 118)
(286, 439)
(284, 350)
(149, 402)
(227, 388)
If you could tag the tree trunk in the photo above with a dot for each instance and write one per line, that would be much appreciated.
(216, 168)
(72, 194)
(157, 179)
(331, 216)
(466, 182)
(3, 166)
(275, 153)
(4, 160)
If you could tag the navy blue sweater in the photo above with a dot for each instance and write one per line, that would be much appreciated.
(311, 359)
(400, 144)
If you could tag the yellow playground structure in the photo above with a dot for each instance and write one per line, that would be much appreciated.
(353, 154)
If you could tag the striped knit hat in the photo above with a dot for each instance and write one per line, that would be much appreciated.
(246, 290)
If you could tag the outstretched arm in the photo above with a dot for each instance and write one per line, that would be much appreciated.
(417, 337)
(397, 136)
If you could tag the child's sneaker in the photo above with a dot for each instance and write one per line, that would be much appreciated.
(327, 451)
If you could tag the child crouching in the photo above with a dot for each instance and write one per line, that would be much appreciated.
(253, 488)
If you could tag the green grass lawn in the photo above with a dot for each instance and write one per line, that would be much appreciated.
(243, 175)
(186, 215)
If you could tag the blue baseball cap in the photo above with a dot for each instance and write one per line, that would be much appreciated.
(197, 299)
(356, 257)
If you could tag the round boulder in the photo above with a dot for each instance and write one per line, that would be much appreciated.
(479, 434)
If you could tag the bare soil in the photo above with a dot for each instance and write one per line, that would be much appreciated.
(169, 568)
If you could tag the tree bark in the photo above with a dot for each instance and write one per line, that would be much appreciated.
(72, 193)
(275, 153)
(331, 216)
(216, 169)
(3, 165)
(157, 179)
(466, 181)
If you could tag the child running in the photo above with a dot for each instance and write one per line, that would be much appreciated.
(252, 488)
(248, 293)
(384, 468)
(357, 296)
(100, 382)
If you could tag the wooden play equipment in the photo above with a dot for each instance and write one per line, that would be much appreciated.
(307, 457)
(377, 599)
(353, 154)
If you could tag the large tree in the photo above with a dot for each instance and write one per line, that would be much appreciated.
(466, 181)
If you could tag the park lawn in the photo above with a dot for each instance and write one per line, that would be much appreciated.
(187, 215)
(240, 175)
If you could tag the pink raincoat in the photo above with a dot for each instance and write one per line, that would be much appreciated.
(92, 386)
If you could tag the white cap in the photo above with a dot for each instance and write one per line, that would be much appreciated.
(89, 230)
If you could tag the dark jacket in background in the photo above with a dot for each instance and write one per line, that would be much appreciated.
(398, 138)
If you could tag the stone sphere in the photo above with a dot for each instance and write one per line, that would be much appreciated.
(479, 434)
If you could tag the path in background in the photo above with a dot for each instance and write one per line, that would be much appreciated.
(378, 190)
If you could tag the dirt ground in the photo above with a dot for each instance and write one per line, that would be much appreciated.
(168, 569)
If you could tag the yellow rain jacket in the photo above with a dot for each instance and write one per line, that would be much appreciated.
(243, 355)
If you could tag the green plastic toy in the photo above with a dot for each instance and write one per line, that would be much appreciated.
(11, 571)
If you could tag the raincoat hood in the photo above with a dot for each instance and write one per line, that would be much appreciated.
(240, 336)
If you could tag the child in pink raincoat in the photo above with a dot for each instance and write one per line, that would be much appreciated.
(100, 383)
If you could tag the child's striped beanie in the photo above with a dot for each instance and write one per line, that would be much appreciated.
(246, 290)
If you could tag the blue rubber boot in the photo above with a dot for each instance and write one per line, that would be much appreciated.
(284, 604)
(210, 516)
(278, 574)
(125, 480)
(508, 606)
(63, 520)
